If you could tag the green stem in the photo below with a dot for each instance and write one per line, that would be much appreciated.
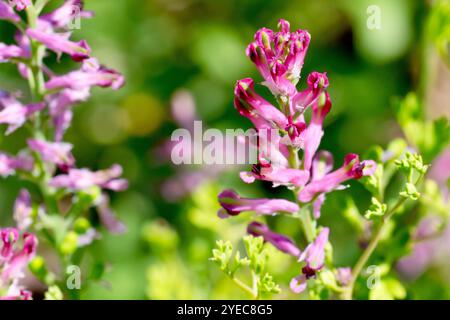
(245, 287)
(364, 258)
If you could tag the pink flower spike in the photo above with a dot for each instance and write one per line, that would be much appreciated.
(232, 205)
(279, 241)
(59, 43)
(279, 57)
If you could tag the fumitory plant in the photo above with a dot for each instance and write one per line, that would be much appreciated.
(56, 210)
(290, 157)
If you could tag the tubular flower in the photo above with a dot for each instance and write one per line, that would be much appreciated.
(250, 104)
(317, 83)
(277, 175)
(313, 257)
(8, 52)
(7, 13)
(279, 241)
(13, 113)
(9, 164)
(58, 153)
(232, 205)
(79, 179)
(352, 169)
(91, 74)
(60, 43)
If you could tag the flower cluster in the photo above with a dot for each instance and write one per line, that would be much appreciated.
(279, 57)
(13, 260)
(68, 192)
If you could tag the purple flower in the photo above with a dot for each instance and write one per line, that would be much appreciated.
(60, 104)
(344, 275)
(13, 113)
(314, 258)
(80, 179)
(7, 13)
(277, 175)
(23, 210)
(91, 74)
(14, 267)
(279, 241)
(317, 83)
(58, 153)
(9, 237)
(60, 43)
(8, 52)
(20, 4)
(314, 132)
(251, 105)
(279, 57)
(9, 164)
(108, 218)
(64, 15)
(352, 169)
(232, 205)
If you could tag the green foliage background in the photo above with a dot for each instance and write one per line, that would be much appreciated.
(199, 45)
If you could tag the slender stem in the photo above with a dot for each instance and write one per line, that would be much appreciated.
(348, 293)
(245, 287)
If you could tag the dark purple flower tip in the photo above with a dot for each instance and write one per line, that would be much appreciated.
(317, 80)
(228, 199)
(82, 53)
(294, 130)
(243, 86)
(279, 241)
(29, 243)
